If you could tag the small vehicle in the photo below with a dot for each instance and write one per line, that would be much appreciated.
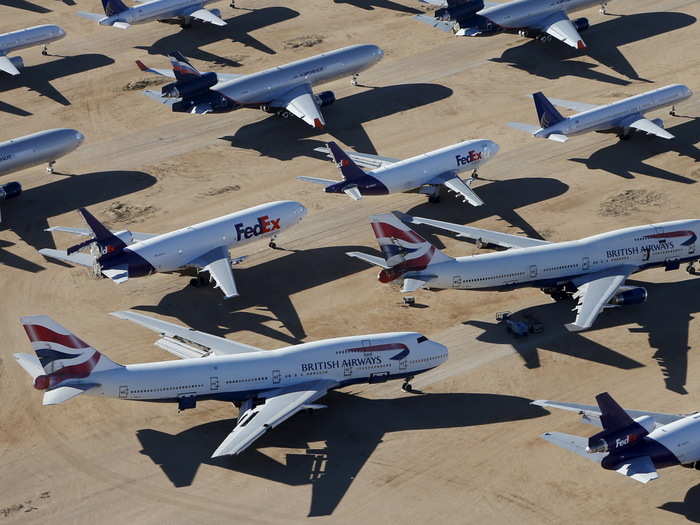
(514, 327)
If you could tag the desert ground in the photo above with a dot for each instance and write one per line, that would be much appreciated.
(467, 449)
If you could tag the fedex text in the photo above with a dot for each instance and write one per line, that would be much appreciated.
(264, 225)
(472, 156)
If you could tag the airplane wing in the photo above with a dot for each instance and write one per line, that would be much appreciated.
(560, 27)
(647, 126)
(206, 16)
(575, 444)
(485, 236)
(185, 342)
(595, 291)
(363, 160)
(7, 66)
(218, 263)
(300, 102)
(454, 183)
(570, 104)
(280, 404)
(136, 236)
(591, 414)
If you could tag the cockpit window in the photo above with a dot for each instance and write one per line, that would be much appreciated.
(422, 338)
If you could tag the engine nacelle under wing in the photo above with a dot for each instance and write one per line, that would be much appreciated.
(629, 296)
(581, 24)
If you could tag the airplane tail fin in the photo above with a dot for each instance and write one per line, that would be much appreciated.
(612, 416)
(181, 66)
(60, 355)
(104, 238)
(113, 7)
(348, 169)
(547, 114)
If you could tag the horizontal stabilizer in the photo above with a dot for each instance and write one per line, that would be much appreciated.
(90, 16)
(353, 192)
(556, 137)
(411, 285)
(442, 25)
(640, 469)
(31, 364)
(524, 127)
(118, 274)
(576, 444)
(121, 25)
(365, 161)
(158, 98)
(7, 66)
(315, 180)
(64, 393)
(372, 259)
(82, 259)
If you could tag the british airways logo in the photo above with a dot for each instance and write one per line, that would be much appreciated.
(472, 156)
(264, 225)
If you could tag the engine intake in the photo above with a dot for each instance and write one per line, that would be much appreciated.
(17, 62)
(326, 98)
(581, 24)
(10, 190)
(189, 88)
(637, 295)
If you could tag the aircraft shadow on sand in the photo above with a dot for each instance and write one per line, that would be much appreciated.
(689, 507)
(38, 77)
(190, 41)
(626, 158)
(668, 333)
(370, 5)
(27, 215)
(267, 287)
(352, 428)
(26, 5)
(14, 110)
(554, 60)
(285, 139)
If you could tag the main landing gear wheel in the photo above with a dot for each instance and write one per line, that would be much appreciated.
(691, 269)
(406, 387)
(273, 245)
(560, 296)
(199, 281)
(49, 168)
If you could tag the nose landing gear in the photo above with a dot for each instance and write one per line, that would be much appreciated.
(691, 269)
(406, 387)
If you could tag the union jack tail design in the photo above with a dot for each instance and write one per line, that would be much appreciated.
(182, 69)
(403, 249)
(60, 355)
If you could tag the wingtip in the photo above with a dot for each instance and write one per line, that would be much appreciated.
(580, 45)
(141, 65)
(318, 124)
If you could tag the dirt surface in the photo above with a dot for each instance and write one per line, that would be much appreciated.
(467, 451)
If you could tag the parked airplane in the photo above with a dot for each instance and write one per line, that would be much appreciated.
(633, 442)
(23, 38)
(119, 15)
(268, 386)
(592, 270)
(529, 18)
(621, 117)
(284, 90)
(427, 172)
(204, 247)
(37, 148)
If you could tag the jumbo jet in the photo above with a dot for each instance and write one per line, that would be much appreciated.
(632, 442)
(622, 117)
(203, 247)
(592, 270)
(541, 19)
(22, 39)
(117, 14)
(268, 386)
(283, 90)
(426, 172)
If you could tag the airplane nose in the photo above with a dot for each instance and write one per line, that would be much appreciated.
(302, 211)
(378, 53)
(79, 137)
(493, 148)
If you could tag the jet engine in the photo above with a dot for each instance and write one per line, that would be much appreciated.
(659, 122)
(458, 10)
(17, 62)
(325, 98)
(581, 24)
(191, 87)
(628, 296)
(10, 190)
(216, 12)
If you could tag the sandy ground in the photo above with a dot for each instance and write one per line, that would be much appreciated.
(465, 452)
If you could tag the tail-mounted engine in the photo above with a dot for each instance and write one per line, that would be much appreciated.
(581, 24)
(628, 296)
(190, 87)
(326, 98)
(458, 10)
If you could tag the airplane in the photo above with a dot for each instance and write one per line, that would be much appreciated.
(204, 247)
(541, 19)
(427, 172)
(621, 117)
(268, 386)
(284, 90)
(633, 443)
(22, 39)
(592, 270)
(117, 14)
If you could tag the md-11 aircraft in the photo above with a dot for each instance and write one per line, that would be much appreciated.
(592, 270)
(426, 172)
(117, 14)
(622, 117)
(203, 247)
(284, 90)
(268, 386)
(541, 19)
(633, 443)
(22, 39)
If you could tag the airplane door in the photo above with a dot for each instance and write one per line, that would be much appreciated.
(533, 271)
(276, 376)
(347, 371)
(123, 392)
(457, 281)
(214, 383)
(585, 263)
(403, 363)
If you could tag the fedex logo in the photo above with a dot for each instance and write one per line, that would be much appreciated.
(472, 156)
(622, 442)
(264, 225)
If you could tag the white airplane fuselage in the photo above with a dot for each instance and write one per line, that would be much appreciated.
(154, 10)
(259, 89)
(522, 13)
(414, 172)
(347, 360)
(37, 148)
(554, 265)
(618, 114)
(29, 37)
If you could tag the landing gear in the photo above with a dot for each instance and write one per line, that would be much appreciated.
(186, 22)
(603, 8)
(354, 78)
(49, 168)
(475, 175)
(45, 50)
(406, 387)
(691, 268)
(673, 111)
(434, 195)
(624, 135)
(199, 281)
(284, 114)
(558, 294)
(232, 5)
(272, 244)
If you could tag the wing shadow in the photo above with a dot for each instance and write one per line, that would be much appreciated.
(370, 5)
(24, 4)
(348, 445)
(555, 61)
(191, 41)
(14, 110)
(285, 140)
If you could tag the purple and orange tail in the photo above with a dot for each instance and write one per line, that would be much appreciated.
(182, 68)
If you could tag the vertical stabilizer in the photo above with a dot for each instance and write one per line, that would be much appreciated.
(348, 169)
(182, 68)
(106, 240)
(612, 416)
(113, 7)
(547, 114)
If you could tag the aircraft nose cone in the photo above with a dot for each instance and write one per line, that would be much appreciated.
(378, 53)
(60, 32)
(79, 137)
(493, 148)
(302, 211)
